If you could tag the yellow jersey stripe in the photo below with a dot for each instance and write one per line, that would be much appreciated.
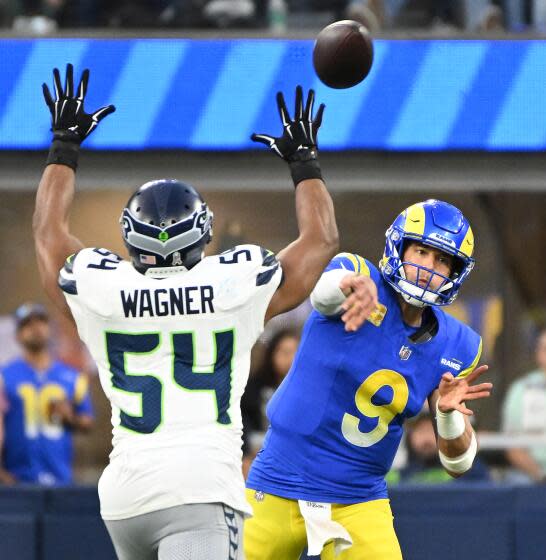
(353, 260)
(473, 365)
(363, 268)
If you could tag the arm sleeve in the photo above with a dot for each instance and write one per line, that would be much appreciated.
(327, 296)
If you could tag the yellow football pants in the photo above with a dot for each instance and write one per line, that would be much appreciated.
(277, 530)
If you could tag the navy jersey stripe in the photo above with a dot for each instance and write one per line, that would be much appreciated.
(68, 286)
(264, 278)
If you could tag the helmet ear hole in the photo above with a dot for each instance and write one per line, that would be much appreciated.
(403, 247)
(458, 267)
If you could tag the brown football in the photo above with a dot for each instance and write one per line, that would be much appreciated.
(343, 54)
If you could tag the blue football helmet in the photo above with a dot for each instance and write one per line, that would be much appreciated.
(166, 225)
(436, 224)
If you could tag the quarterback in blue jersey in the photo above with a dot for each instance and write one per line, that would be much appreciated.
(375, 348)
(43, 402)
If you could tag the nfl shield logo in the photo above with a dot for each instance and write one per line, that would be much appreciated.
(405, 352)
(259, 496)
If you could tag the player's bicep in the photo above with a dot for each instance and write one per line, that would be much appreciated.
(302, 266)
(65, 283)
(50, 257)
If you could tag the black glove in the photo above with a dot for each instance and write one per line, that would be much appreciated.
(298, 143)
(70, 124)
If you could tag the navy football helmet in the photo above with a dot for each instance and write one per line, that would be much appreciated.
(166, 225)
(437, 224)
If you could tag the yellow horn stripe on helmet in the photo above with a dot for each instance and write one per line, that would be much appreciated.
(467, 246)
(415, 220)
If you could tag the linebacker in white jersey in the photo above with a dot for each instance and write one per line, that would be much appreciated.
(171, 332)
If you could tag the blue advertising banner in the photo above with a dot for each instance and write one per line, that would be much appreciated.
(212, 94)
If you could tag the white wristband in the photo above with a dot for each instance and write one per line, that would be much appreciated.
(463, 462)
(451, 425)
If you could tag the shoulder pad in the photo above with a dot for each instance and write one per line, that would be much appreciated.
(350, 261)
(89, 258)
(254, 259)
(464, 346)
(96, 258)
(243, 254)
(67, 280)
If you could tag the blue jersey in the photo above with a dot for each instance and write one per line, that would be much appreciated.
(35, 450)
(337, 419)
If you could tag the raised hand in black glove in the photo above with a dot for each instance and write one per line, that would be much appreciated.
(69, 121)
(298, 143)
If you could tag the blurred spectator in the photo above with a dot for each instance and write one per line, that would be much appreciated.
(278, 357)
(36, 16)
(375, 14)
(443, 15)
(43, 402)
(524, 413)
(423, 465)
(41, 17)
(231, 236)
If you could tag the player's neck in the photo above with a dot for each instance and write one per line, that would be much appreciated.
(412, 316)
(39, 360)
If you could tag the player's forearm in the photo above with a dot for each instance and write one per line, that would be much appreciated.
(522, 460)
(78, 422)
(82, 423)
(304, 260)
(52, 239)
(318, 239)
(316, 218)
(53, 201)
(457, 445)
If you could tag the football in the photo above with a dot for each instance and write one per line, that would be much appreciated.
(343, 54)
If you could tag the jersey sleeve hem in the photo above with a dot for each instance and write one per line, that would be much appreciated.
(474, 363)
(67, 279)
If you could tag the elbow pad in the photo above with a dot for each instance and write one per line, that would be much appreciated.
(327, 296)
(463, 462)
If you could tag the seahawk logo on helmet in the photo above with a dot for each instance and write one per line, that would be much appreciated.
(439, 225)
(166, 224)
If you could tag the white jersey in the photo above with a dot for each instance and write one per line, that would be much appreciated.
(173, 355)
